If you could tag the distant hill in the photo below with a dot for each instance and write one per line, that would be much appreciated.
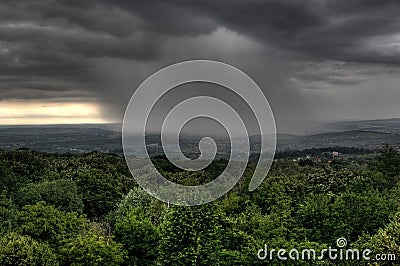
(391, 125)
(352, 138)
(107, 137)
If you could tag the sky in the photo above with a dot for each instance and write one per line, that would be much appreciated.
(79, 61)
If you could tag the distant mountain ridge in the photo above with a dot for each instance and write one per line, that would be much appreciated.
(351, 138)
(107, 137)
(391, 125)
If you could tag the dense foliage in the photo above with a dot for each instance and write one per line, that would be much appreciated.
(63, 209)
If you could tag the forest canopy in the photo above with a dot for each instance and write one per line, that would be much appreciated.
(64, 209)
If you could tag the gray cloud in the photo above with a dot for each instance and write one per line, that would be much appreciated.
(101, 50)
(134, 29)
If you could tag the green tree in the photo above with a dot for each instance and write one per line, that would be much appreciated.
(92, 247)
(238, 247)
(327, 217)
(385, 241)
(100, 192)
(19, 250)
(190, 236)
(136, 198)
(10, 183)
(388, 162)
(61, 193)
(8, 213)
(138, 235)
(46, 223)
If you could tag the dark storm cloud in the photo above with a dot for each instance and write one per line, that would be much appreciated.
(57, 48)
(135, 29)
(319, 28)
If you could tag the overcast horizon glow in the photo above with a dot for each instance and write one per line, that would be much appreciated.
(39, 113)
